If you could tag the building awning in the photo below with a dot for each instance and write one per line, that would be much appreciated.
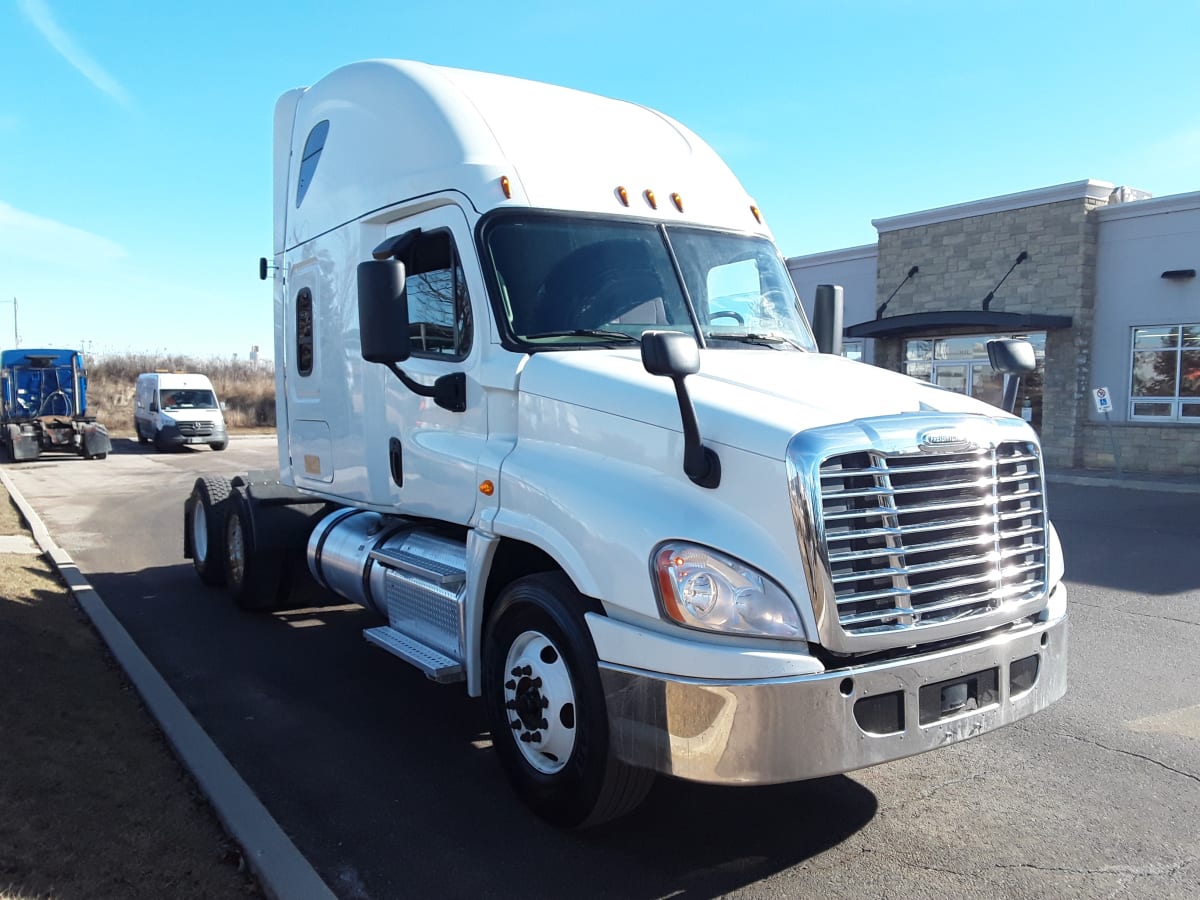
(982, 320)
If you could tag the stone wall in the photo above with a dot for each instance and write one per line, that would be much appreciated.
(1154, 449)
(961, 259)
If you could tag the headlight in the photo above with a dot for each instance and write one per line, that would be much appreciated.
(701, 588)
(164, 419)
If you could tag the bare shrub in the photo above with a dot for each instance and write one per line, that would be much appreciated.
(247, 389)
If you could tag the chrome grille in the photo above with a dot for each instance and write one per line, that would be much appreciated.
(920, 539)
(195, 429)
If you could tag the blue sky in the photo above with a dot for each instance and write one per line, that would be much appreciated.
(135, 137)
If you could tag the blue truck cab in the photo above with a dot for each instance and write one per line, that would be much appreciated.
(43, 406)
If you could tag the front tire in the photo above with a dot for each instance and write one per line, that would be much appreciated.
(545, 702)
(206, 511)
(219, 445)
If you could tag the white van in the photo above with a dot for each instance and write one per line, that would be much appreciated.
(173, 409)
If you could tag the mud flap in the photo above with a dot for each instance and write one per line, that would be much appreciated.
(94, 441)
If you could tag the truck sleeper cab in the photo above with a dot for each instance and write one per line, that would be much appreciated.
(549, 405)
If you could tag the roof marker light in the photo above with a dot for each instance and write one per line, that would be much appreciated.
(678, 201)
(757, 214)
(649, 194)
(623, 195)
(506, 186)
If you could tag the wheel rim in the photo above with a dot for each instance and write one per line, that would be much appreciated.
(539, 700)
(199, 531)
(236, 549)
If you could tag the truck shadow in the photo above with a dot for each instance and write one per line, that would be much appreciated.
(385, 779)
(1141, 542)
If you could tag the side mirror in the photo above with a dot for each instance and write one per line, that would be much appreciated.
(675, 356)
(1014, 358)
(827, 318)
(670, 353)
(383, 312)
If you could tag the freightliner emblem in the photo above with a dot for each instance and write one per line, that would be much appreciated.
(945, 440)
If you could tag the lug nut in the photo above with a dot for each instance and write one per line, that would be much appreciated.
(510, 685)
(511, 704)
(516, 724)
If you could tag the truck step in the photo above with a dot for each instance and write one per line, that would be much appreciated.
(436, 666)
(435, 571)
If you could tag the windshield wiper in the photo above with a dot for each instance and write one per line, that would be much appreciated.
(585, 332)
(765, 340)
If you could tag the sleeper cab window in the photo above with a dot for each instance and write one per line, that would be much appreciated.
(310, 157)
(439, 310)
(304, 332)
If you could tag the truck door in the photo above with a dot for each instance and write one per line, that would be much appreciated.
(426, 454)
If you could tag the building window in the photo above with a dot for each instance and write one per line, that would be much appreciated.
(312, 155)
(853, 350)
(961, 364)
(1164, 384)
(304, 332)
(439, 310)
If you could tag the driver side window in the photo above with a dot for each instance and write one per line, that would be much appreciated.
(439, 308)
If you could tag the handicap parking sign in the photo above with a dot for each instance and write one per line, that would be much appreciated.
(1103, 400)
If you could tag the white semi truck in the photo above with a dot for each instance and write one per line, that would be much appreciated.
(548, 403)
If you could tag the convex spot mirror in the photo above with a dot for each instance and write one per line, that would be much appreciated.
(383, 311)
(1012, 357)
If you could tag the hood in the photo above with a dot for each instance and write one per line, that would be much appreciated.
(754, 400)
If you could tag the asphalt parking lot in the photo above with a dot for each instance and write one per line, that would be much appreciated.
(386, 783)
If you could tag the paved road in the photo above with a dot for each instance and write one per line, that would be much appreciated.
(385, 781)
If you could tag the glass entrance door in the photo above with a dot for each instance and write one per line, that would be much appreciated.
(961, 364)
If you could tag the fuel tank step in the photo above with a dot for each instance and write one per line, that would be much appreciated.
(436, 665)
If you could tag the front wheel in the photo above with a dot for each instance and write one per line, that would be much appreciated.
(546, 706)
(219, 445)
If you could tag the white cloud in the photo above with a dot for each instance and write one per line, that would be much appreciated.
(42, 19)
(25, 236)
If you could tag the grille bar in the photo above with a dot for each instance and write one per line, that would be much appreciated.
(917, 539)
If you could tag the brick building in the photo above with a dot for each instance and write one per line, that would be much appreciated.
(1101, 279)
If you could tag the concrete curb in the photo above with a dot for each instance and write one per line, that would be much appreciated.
(281, 869)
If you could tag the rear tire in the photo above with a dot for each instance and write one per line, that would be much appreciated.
(545, 702)
(254, 577)
(206, 510)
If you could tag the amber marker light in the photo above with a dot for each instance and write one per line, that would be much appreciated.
(624, 195)
(678, 201)
(757, 214)
(487, 488)
(666, 586)
(649, 194)
(506, 186)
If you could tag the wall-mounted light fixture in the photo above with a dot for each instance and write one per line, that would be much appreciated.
(1179, 274)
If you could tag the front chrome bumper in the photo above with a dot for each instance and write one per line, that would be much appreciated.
(778, 730)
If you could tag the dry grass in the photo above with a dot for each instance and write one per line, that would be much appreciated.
(92, 802)
(248, 390)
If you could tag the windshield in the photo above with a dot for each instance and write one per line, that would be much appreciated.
(596, 282)
(188, 398)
